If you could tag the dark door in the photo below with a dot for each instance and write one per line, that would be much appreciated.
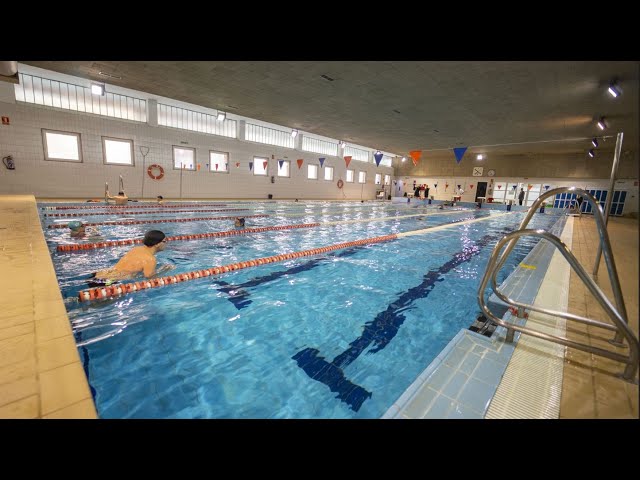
(481, 190)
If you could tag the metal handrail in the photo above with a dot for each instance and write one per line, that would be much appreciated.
(618, 316)
(604, 241)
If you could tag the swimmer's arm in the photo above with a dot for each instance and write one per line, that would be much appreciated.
(150, 268)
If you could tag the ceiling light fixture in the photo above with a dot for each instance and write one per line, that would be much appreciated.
(613, 90)
(97, 89)
(594, 142)
(221, 116)
(601, 124)
(404, 159)
(294, 133)
(591, 153)
(480, 156)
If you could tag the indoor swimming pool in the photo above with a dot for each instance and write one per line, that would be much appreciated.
(340, 334)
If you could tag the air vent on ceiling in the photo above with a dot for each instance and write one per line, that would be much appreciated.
(326, 77)
(110, 75)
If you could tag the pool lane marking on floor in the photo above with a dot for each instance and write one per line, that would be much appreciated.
(73, 247)
(379, 332)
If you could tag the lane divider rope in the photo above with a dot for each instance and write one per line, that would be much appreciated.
(155, 205)
(227, 233)
(166, 220)
(143, 213)
(124, 288)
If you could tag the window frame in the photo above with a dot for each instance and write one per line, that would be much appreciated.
(326, 169)
(211, 164)
(104, 152)
(360, 172)
(173, 155)
(45, 146)
(353, 176)
(387, 180)
(309, 165)
(288, 162)
(378, 179)
(266, 170)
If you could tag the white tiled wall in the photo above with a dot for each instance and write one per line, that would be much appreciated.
(23, 140)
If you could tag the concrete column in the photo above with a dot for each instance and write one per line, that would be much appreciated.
(242, 125)
(152, 112)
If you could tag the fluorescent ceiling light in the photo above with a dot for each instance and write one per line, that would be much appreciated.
(221, 116)
(613, 90)
(97, 89)
(591, 154)
(594, 142)
(601, 124)
(294, 132)
(480, 157)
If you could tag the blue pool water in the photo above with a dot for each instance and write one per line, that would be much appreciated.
(338, 335)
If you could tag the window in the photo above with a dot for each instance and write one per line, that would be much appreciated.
(356, 153)
(61, 146)
(52, 93)
(350, 176)
(328, 173)
(310, 144)
(218, 162)
(386, 160)
(260, 165)
(184, 157)
(270, 136)
(362, 177)
(312, 172)
(378, 179)
(283, 171)
(117, 151)
(387, 179)
(176, 117)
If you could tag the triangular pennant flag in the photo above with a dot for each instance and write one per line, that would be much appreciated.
(514, 187)
(264, 165)
(321, 160)
(280, 162)
(347, 160)
(546, 187)
(198, 167)
(415, 162)
(237, 164)
(459, 152)
(415, 154)
(471, 185)
(377, 157)
(499, 187)
(436, 185)
(446, 185)
(250, 165)
(299, 162)
(529, 187)
(206, 165)
(273, 156)
(216, 166)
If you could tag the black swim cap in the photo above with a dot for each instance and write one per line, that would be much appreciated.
(153, 237)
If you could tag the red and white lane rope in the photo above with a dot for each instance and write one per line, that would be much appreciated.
(143, 213)
(124, 288)
(196, 236)
(165, 220)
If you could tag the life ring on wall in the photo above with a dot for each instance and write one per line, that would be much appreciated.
(150, 171)
(340, 183)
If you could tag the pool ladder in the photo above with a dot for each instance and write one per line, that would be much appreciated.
(617, 315)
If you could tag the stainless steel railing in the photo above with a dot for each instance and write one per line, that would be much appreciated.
(617, 315)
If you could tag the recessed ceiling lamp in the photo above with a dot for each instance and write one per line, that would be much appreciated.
(97, 89)
(613, 90)
(601, 124)
(294, 132)
(480, 156)
(591, 153)
(594, 142)
(221, 116)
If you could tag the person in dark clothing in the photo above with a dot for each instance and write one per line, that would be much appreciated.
(521, 196)
(426, 191)
(416, 192)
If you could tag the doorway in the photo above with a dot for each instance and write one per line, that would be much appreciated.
(481, 191)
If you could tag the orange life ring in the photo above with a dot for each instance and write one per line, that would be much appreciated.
(340, 183)
(150, 171)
